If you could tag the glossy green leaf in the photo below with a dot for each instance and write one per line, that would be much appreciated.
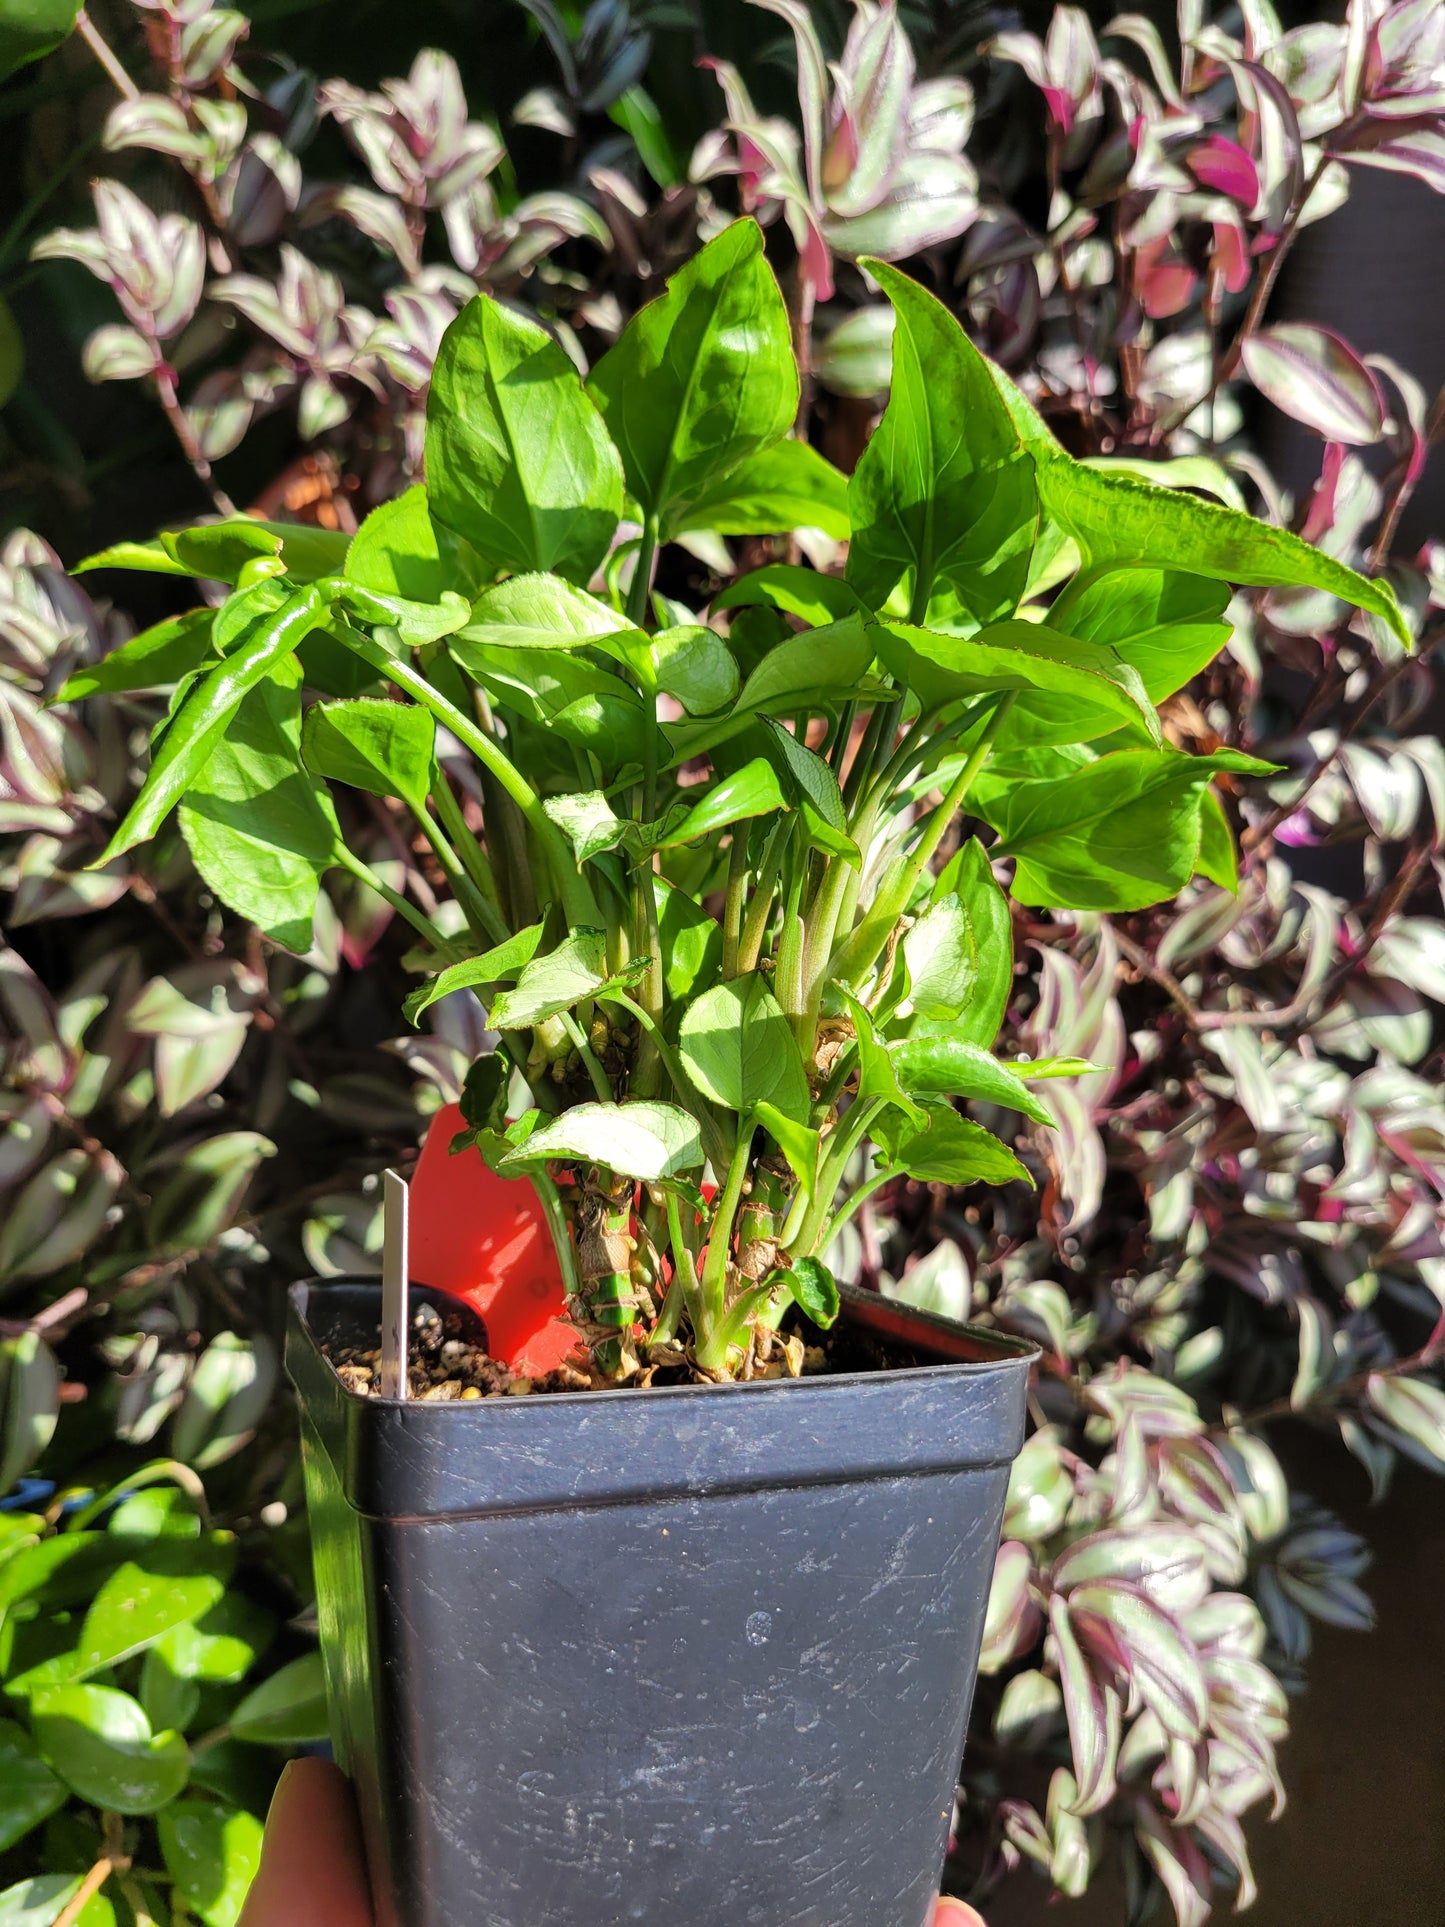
(810, 778)
(222, 1644)
(691, 941)
(220, 551)
(156, 659)
(1117, 834)
(1218, 859)
(149, 1512)
(30, 29)
(701, 379)
(1165, 625)
(60, 1571)
(945, 1066)
(498, 965)
(415, 623)
(399, 550)
(543, 684)
(788, 486)
(800, 1144)
(169, 1702)
(696, 666)
(981, 931)
(813, 598)
(541, 612)
(100, 1743)
(825, 665)
(813, 1289)
(1119, 522)
(608, 723)
(591, 825)
(240, 609)
(1046, 1067)
(180, 756)
(149, 558)
(260, 828)
(174, 1583)
(877, 1078)
(642, 1139)
(518, 461)
(575, 970)
(211, 1853)
(943, 502)
(484, 1093)
(40, 1901)
(738, 1048)
(950, 1151)
(288, 1709)
(751, 791)
(384, 747)
(1068, 690)
(308, 551)
(29, 1791)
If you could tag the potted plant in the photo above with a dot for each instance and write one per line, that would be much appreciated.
(689, 1632)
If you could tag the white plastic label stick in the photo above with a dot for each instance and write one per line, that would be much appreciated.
(395, 1285)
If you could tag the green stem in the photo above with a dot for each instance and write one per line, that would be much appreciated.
(403, 908)
(641, 586)
(650, 991)
(550, 1200)
(863, 947)
(910, 750)
(719, 1249)
(733, 908)
(862, 765)
(837, 1078)
(836, 748)
(788, 978)
(733, 1331)
(1064, 605)
(472, 855)
(822, 925)
(850, 1133)
(479, 913)
(684, 1271)
(586, 1053)
(668, 1322)
(923, 579)
(755, 924)
(578, 903)
(856, 1199)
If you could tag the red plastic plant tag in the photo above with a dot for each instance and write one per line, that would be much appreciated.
(484, 1238)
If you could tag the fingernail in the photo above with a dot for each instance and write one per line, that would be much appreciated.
(277, 1790)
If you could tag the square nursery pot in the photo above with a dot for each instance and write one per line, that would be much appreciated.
(695, 1655)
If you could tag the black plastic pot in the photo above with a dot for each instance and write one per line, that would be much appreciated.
(696, 1657)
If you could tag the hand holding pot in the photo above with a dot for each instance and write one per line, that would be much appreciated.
(313, 1870)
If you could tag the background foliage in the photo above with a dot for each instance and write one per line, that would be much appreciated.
(1240, 1213)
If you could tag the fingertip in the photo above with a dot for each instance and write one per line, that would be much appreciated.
(956, 1913)
(313, 1869)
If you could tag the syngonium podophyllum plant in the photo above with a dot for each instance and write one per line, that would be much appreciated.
(708, 877)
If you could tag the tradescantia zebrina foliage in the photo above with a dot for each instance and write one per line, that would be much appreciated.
(711, 880)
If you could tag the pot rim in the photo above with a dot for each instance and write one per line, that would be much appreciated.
(977, 1352)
